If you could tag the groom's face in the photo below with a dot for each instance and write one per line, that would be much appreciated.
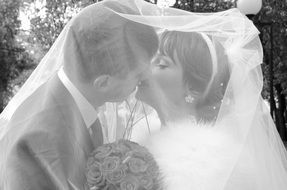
(122, 86)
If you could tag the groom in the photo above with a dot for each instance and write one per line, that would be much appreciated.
(54, 130)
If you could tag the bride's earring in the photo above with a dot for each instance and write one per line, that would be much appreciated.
(189, 99)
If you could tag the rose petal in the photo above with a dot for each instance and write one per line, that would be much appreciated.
(110, 163)
(94, 175)
(103, 151)
(109, 187)
(129, 183)
(152, 170)
(146, 182)
(90, 162)
(116, 176)
(137, 165)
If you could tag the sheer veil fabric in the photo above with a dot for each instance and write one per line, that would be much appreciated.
(254, 155)
(45, 130)
(242, 116)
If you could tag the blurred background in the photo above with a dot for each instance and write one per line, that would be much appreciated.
(28, 28)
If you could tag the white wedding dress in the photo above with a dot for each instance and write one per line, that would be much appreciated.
(197, 157)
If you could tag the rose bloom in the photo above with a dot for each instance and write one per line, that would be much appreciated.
(146, 182)
(110, 164)
(129, 183)
(103, 151)
(137, 165)
(95, 176)
(116, 176)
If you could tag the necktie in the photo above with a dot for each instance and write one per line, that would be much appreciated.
(96, 133)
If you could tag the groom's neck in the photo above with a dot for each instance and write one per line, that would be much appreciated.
(94, 98)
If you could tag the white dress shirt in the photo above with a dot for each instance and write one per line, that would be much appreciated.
(88, 112)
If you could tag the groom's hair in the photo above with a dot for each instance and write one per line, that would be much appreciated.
(102, 42)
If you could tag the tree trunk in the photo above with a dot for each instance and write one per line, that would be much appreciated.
(285, 111)
(1, 97)
(280, 116)
(271, 76)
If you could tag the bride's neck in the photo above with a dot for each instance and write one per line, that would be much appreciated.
(175, 113)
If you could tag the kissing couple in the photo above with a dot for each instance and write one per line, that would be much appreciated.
(199, 73)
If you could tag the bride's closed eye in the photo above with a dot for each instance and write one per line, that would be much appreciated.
(162, 62)
(162, 65)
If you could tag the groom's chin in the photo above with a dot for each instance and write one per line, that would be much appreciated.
(142, 95)
(120, 97)
(117, 100)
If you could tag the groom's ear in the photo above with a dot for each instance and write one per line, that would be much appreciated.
(102, 82)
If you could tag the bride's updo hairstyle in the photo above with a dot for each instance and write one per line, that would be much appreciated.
(206, 74)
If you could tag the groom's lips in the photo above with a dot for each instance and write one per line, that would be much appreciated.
(142, 84)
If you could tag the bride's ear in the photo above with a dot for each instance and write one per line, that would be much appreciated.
(102, 82)
(188, 97)
(191, 95)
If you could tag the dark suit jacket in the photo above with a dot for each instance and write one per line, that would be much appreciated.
(47, 149)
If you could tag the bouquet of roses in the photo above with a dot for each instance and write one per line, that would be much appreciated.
(123, 165)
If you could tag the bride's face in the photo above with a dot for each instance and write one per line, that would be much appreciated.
(166, 80)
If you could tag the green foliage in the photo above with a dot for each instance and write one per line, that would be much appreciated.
(13, 58)
(20, 50)
(204, 6)
(272, 23)
(48, 21)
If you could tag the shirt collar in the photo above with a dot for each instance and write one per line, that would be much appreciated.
(88, 112)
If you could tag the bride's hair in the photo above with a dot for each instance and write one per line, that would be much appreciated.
(111, 45)
(191, 50)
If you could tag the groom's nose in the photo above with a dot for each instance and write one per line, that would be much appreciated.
(146, 74)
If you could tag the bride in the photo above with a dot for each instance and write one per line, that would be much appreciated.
(187, 82)
(180, 86)
(187, 90)
(209, 127)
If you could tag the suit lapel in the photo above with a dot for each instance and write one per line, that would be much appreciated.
(72, 115)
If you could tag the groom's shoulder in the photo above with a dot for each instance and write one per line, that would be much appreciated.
(47, 108)
(42, 126)
(48, 100)
(44, 129)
